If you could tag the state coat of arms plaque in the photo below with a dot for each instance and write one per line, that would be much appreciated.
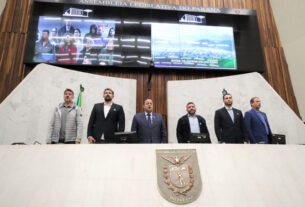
(178, 173)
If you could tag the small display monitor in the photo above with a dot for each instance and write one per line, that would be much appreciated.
(200, 138)
(278, 139)
(126, 137)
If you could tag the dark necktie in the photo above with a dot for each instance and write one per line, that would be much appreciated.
(260, 115)
(149, 120)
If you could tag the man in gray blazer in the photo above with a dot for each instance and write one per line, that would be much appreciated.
(149, 126)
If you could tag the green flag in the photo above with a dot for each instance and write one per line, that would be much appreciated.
(224, 92)
(79, 101)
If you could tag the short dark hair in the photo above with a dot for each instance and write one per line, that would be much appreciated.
(78, 31)
(68, 89)
(147, 99)
(109, 89)
(190, 103)
(252, 100)
(47, 31)
(223, 97)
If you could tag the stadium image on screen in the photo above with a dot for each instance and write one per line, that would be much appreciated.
(63, 40)
(193, 46)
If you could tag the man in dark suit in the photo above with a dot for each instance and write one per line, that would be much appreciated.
(106, 118)
(67, 28)
(229, 123)
(149, 126)
(257, 123)
(190, 123)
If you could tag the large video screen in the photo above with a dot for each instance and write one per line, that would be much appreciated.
(63, 40)
(193, 46)
(80, 35)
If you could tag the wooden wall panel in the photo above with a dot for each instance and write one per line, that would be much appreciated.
(13, 32)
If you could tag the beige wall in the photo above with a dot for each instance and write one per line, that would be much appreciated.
(2, 5)
(290, 20)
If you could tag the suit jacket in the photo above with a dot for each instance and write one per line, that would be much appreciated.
(184, 129)
(154, 134)
(226, 130)
(98, 124)
(256, 128)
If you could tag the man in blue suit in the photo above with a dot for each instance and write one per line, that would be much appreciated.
(149, 126)
(257, 123)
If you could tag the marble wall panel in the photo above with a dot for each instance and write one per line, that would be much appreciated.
(25, 114)
(207, 95)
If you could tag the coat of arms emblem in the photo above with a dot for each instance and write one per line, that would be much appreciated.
(179, 178)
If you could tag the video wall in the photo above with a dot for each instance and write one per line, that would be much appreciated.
(76, 41)
(105, 36)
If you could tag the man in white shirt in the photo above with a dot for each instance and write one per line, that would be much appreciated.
(190, 123)
(229, 123)
(106, 118)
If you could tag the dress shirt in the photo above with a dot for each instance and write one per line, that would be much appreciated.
(106, 111)
(194, 124)
(151, 116)
(230, 111)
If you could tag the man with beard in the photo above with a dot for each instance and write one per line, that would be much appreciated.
(44, 50)
(190, 123)
(106, 119)
(257, 123)
(149, 126)
(66, 126)
(229, 123)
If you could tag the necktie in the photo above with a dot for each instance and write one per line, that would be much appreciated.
(149, 120)
(260, 115)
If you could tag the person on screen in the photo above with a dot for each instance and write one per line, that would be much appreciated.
(257, 123)
(44, 50)
(54, 39)
(99, 42)
(67, 28)
(190, 123)
(106, 118)
(110, 46)
(93, 32)
(87, 56)
(149, 126)
(66, 125)
(78, 41)
(229, 123)
(67, 51)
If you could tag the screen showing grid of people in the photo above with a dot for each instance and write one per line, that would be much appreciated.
(193, 46)
(63, 40)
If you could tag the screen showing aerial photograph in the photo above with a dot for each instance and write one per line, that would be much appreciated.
(193, 46)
